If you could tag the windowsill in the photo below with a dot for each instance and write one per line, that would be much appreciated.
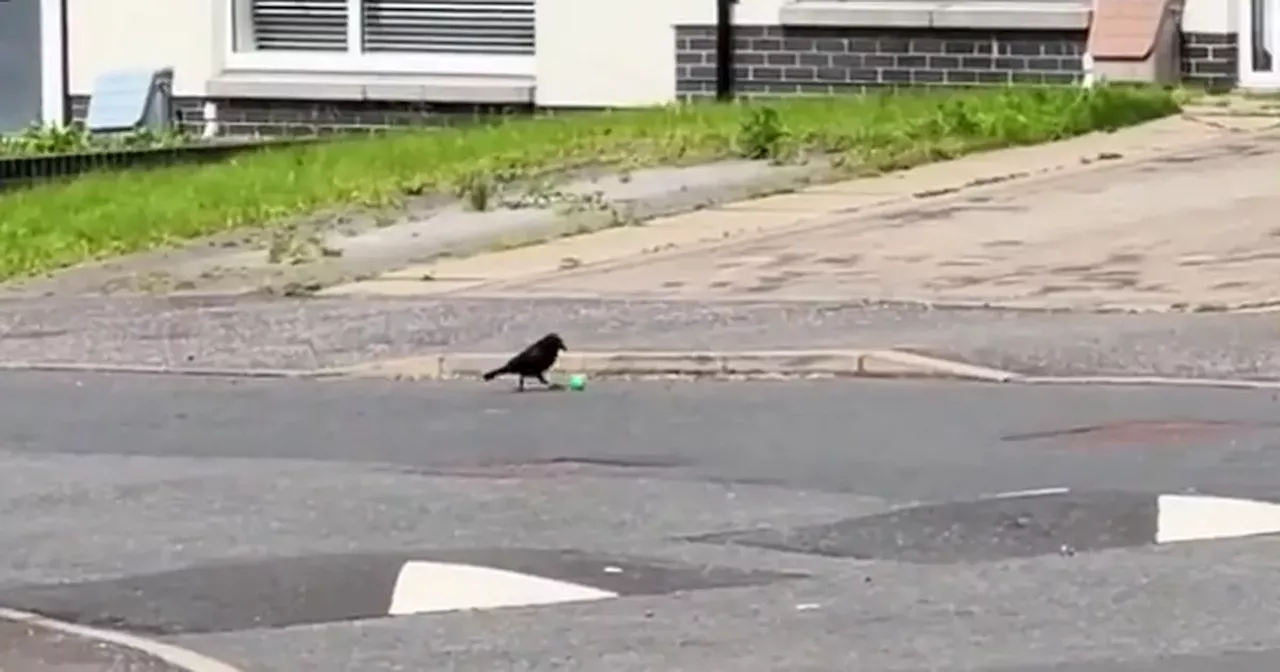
(284, 84)
(970, 15)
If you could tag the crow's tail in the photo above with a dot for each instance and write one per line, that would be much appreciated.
(490, 375)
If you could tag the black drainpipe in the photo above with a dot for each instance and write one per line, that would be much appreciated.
(64, 33)
(724, 49)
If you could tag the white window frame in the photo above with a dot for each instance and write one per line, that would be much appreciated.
(52, 95)
(356, 62)
(1248, 78)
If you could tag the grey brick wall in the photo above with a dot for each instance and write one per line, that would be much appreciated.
(189, 111)
(292, 117)
(788, 60)
(245, 116)
(1210, 60)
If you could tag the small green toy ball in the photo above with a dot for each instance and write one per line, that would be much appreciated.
(577, 382)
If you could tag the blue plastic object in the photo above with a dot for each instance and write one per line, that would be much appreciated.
(125, 100)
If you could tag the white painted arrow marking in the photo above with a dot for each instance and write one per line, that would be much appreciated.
(426, 587)
(1198, 517)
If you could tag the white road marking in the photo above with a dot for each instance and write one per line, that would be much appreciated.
(1032, 493)
(1200, 517)
(426, 587)
(174, 655)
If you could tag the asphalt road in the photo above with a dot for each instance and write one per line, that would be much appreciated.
(746, 526)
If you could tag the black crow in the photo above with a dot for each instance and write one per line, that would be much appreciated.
(533, 361)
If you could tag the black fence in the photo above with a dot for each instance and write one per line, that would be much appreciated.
(22, 171)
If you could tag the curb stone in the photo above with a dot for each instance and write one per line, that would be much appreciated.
(880, 363)
(744, 365)
(1149, 381)
(195, 371)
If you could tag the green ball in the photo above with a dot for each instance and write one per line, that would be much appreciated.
(577, 382)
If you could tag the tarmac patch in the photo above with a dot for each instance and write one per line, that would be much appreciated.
(1049, 522)
(280, 592)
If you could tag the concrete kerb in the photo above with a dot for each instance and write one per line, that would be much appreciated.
(1152, 381)
(212, 372)
(884, 363)
(173, 655)
(747, 365)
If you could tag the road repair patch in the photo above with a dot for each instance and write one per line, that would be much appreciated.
(280, 592)
(1048, 522)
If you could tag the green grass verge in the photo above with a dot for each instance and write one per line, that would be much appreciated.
(44, 140)
(99, 215)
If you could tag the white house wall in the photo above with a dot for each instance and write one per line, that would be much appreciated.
(125, 34)
(589, 52)
(1210, 16)
(621, 52)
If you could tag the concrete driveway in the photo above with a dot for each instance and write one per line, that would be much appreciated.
(1173, 215)
(1193, 228)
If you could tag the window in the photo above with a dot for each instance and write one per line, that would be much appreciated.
(438, 37)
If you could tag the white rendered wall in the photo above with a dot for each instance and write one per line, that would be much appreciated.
(125, 34)
(1210, 16)
(621, 52)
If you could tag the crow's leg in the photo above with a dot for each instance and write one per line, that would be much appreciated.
(542, 378)
(521, 385)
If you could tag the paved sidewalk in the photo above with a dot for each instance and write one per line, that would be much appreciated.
(1176, 214)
